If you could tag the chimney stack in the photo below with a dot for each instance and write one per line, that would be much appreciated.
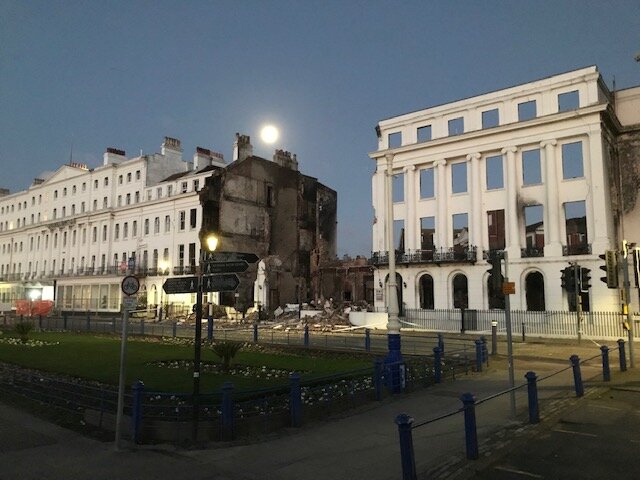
(242, 147)
(205, 157)
(285, 159)
(4, 192)
(171, 149)
(113, 156)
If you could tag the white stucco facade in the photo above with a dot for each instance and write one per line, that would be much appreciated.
(500, 157)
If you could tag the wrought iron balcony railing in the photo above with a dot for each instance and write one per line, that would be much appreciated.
(580, 249)
(436, 255)
(529, 252)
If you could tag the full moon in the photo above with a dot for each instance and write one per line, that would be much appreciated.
(269, 134)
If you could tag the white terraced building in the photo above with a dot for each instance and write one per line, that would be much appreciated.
(73, 235)
(531, 170)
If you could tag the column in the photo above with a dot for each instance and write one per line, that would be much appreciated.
(378, 186)
(553, 246)
(512, 214)
(598, 204)
(441, 199)
(410, 205)
(475, 236)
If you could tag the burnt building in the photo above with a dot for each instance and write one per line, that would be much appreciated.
(286, 218)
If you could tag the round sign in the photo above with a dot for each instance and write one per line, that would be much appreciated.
(130, 285)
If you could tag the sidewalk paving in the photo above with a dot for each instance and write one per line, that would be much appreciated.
(363, 444)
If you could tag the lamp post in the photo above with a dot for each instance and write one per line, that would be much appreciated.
(162, 266)
(394, 356)
(208, 243)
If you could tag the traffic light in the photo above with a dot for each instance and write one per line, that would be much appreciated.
(495, 271)
(636, 266)
(585, 278)
(567, 280)
(611, 268)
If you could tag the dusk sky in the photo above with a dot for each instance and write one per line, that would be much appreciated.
(86, 75)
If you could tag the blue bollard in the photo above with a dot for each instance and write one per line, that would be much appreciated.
(606, 371)
(306, 335)
(478, 355)
(437, 365)
(441, 343)
(210, 329)
(577, 375)
(407, 456)
(174, 329)
(136, 411)
(295, 397)
(255, 333)
(622, 354)
(470, 431)
(532, 391)
(367, 339)
(378, 365)
(227, 411)
(40, 322)
(485, 351)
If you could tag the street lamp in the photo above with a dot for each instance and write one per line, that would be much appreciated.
(208, 243)
(163, 266)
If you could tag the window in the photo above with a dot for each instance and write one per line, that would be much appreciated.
(427, 233)
(137, 197)
(95, 183)
(460, 231)
(527, 110)
(169, 190)
(184, 187)
(73, 236)
(64, 239)
(134, 228)
(534, 230)
(55, 194)
(460, 291)
(84, 186)
(193, 218)
(82, 207)
(64, 192)
(182, 217)
(149, 195)
(94, 235)
(116, 232)
(271, 197)
(398, 235)
(159, 192)
(531, 171)
(192, 255)
(73, 209)
(180, 256)
(129, 177)
(125, 230)
(137, 174)
(490, 118)
(459, 177)
(424, 133)
(427, 296)
(196, 185)
(575, 215)
(105, 202)
(398, 187)
(128, 201)
(572, 160)
(568, 101)
(167, 223)
(156, 225)
(427, 183)
(104, 233)
(73, 190)
(119, 179)
(84, 236)
(395, 139)
(146, 226)
(64, 212)
(456, 126)
(106, 181)
(495, 178)
(495, 228)
(119, 203)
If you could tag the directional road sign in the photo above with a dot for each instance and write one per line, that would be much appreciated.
(230, 257)
(210, 283)
(237, 266)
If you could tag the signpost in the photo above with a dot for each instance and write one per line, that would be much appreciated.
(235, 266)
(210, 283)
(229, 257)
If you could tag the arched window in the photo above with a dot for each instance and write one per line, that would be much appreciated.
(534, 288)
(460, 291)
(426, 292)
(494, 293)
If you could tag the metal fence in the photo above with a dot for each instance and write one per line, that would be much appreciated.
(552, 324)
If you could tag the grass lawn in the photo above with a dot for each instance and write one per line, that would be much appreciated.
(98, 358)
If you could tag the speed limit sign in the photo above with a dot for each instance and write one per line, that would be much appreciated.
(130, 285)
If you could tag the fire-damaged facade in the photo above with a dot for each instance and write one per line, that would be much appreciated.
(286, 218)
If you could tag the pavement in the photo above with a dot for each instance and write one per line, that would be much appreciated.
(595, 436)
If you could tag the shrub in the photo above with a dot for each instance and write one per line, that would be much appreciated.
(226, 351)
(23, 329)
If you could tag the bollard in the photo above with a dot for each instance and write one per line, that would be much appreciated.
(623, 358)
(485, 351)
(142, 326)
(136, 411)
(437, 365)
(255, 333)
(367, 339)
(470, 432)
(306, 335)
(441, 343)
(227, 411)
(210, 329)
(174, 329)
(377, 377)
(532, 390)
(606, 371)
(577, 376)
(478, 355)
(524, 338)
(295, 397)
(88, 322)
(494, 337)
(407, 457)
(64, 321)
(40, 322)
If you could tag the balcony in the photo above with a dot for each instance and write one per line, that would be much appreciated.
(435, 256)
(530, 252)
(578, 249)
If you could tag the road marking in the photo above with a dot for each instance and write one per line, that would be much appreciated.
(607, 408)
(518, 472)
(575, 433)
